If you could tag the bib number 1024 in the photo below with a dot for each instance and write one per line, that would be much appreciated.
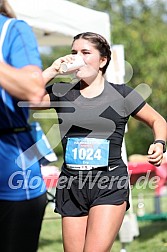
(86, 154)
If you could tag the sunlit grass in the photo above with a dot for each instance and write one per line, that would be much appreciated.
(51, 237)
(152, 238)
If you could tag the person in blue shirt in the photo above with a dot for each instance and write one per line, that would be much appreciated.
(22, 189)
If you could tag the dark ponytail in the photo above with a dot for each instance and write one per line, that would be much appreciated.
(6, 9)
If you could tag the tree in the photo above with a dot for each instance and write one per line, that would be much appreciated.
(144, 38)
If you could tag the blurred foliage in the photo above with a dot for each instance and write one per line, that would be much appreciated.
(141, 27)
(144, 38)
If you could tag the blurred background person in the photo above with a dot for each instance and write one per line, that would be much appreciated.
(22, 190)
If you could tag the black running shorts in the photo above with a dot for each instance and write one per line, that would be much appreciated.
(77, 192)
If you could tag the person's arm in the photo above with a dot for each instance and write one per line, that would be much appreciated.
(25, 83)
(159, 127)
(48, 74)
(21, 69)
(52, 71)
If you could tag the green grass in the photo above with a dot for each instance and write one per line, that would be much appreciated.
(51, 237)
(152, 238)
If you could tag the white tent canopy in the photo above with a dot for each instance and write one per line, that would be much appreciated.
(55, 22)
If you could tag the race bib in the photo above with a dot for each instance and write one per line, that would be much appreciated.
(86, 153)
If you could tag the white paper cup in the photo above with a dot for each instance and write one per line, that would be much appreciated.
(76, 64)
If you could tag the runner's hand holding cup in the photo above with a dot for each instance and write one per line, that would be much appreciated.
(67, 67)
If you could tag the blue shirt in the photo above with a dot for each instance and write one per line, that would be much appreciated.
(17, 181)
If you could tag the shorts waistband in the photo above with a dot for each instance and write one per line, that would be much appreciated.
(90, 167)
